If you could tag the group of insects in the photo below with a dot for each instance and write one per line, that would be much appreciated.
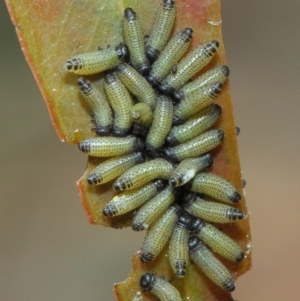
(154, 125)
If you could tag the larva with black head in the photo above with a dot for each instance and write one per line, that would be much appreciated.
(121, 103)
(134, 39)
(195, 147)
(195, 126)
(114, 167)
(161, 29)
(136, 84)
(97, 61)
(159, 234)
(187, 169)
(153, 209)
(161, 125)
(171, 54)
(193, 104)
(133, 199)
(111, 146)
(217, 240)
(159, 287)
(190, 65)
(210, 265)
(178, 248)
(218, 74)
(142, 117)
(216, 187)
(211, 211)
(143, 173)
(102, 113)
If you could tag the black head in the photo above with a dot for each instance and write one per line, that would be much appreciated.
(122, 51)
(147, 281)
(188, 198)
(194, 243)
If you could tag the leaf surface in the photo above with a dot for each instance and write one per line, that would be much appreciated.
(50, 32)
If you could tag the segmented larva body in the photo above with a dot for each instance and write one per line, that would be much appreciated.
(111, 146)
(161, 29)
(210, 265)
(143, 173)
(136, 84)
(159, 234)
(192, 105)
(216, 187)
(153, 209)
(159, 287)
(114, 167)
(191, 64)
(133, 199)
(212, 211)
(217, 240)
(133, 36)
(195, 126)
(96, 100)
(187, 169)
(178, 248)
(171, 54)
(195, 147)
(97, 61)
(218, 74)
(161, 125)
(142, 116)
(121, 103)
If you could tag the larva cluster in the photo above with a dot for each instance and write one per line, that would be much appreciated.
(154, 129)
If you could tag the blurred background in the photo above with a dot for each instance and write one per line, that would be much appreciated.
(48, 249)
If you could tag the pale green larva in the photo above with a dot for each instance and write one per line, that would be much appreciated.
(191, 64)
(195, 126)
(111, 146)
(159, 234)
(211, 211)
(195, 102)
(143, 173)
(210, 265)
(161, 29)
(171, 54)
(142, 116)
(136, 84)
(195, 147)
(161, 125)
(217, 74)
(97, 61)
(131, 200)
(114, 167)
(121, 102)
(96, 100)
(153, 209)
(134, 38)
(188, 168)
(217, 240)
(159, 287)
(178, 248)
(216, 187)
